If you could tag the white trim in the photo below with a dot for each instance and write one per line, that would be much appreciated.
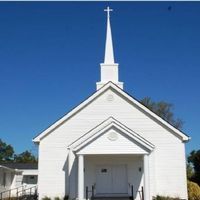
(95, 95)
(146, 178)
(30, 172)
(10, 169)
(104, 126)
(80, 177)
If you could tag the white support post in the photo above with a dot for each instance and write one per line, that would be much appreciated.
(71, 158)
(80, 177)
(146, 178)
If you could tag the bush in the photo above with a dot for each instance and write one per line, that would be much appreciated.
(66, 197)
(193, 191)
(46, 198)
(57, 198)
(158, 197)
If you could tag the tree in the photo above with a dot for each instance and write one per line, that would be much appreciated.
(164, 110)
(6, 152)
(194, 159)
(25, 157)
(190, 171)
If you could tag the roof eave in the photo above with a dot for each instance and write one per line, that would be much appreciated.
(110, 122)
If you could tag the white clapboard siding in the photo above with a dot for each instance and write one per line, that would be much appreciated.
(9, 176)
(167, 158)
(18, 179)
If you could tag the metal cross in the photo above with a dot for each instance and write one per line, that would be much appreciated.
(108, 10)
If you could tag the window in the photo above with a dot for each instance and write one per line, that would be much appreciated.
(30, 179)
(103, 170)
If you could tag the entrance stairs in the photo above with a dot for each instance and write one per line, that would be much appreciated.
(20, 193)
(112, 198)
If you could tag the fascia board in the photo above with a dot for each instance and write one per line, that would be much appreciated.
(132, 135)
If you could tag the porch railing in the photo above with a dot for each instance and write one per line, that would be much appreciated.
(19, 192)
(141, 193)
(28, 192)
(87, 191)
(9, 193)
(132, 193)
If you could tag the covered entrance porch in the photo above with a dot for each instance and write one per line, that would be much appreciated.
(112, 162)
(113, 176)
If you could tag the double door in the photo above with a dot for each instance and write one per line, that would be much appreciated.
(111, 179)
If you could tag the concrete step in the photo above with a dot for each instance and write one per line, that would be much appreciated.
(111, 198)
(114, 198)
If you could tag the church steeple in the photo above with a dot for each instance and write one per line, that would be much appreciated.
(109, 69)
(109, 55)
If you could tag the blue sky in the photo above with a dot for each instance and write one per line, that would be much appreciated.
(50, 54)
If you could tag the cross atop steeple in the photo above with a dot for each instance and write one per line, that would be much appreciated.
(108, 10)
(109, 54)
(109, 69)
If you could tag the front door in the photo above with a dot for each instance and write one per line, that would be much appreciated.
(111, 179)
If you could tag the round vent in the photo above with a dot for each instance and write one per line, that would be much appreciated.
(112, 136)
(110, 97)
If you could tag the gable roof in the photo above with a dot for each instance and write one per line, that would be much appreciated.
(20, 165)
(7, 168)
(111, 85)
(105, 126)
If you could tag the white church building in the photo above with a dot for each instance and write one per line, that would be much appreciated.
(111, 145)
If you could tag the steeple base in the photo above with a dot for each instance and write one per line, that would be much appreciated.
(101, 84)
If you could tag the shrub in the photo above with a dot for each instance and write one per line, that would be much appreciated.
(57, 198)
(158, 197)
(193, 191)
(66, 197)
(46, 198)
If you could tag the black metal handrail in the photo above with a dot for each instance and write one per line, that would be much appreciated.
(9, 191)
(89, 191)
(30, 189)
(132, 193)
(86, 192)
(92, 191)
(141, 193)
(19, 190)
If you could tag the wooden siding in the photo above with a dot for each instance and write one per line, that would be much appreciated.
(8, 179)
(167, 170)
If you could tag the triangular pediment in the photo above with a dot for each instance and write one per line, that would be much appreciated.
(111, 137)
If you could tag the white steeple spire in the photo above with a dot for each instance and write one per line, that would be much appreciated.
(109, 55)
(109, 69)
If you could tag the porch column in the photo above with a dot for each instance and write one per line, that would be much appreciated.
(80, 177)
(71, 178)
(146, 177)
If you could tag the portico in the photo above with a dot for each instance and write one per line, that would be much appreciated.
(105, 163)
(121, 171)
